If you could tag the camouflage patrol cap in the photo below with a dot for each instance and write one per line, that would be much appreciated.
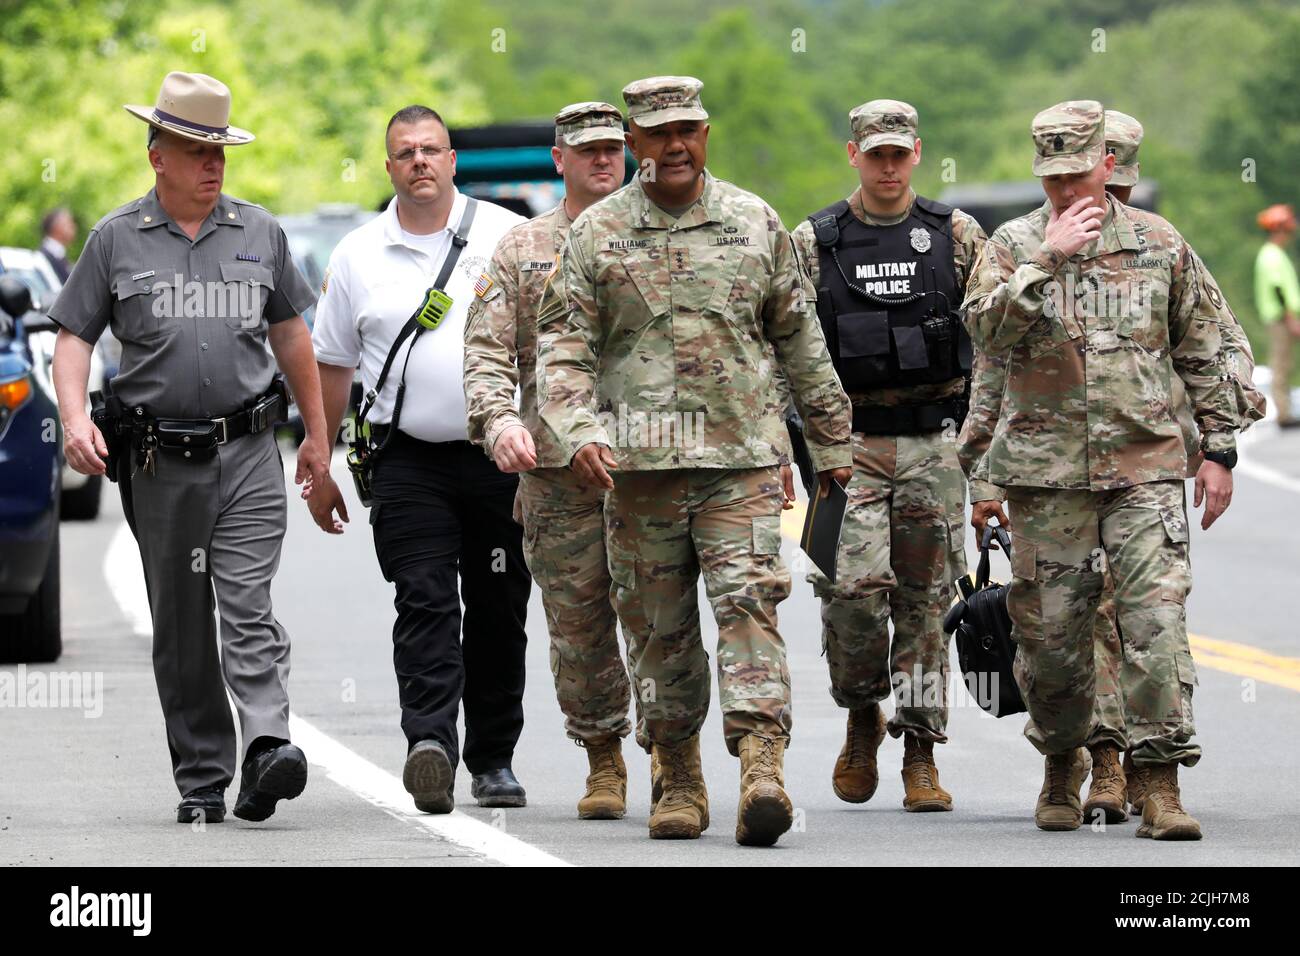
(580, 123)
(664, 99)
(1123, 137)
(883, 123)
(1069, 137)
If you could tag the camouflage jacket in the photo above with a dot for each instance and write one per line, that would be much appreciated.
(658, 335)
(989, 379)
(501, 336)
(968, 240)
(1086, 343)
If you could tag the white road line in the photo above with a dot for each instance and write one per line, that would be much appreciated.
(1270, 476)
(345, 767)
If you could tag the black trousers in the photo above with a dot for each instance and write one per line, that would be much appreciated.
(441, 509)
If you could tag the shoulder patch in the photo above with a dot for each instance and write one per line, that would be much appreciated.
(482, 286)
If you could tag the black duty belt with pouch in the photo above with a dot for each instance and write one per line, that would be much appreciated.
(132, 428)
(982, 628)
(433, 308)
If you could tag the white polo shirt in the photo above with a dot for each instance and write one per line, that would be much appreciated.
(377, 277)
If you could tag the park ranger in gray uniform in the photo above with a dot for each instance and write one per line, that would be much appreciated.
(194, 283)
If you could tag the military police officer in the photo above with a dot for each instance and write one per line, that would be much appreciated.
(194, 283)
(890, 270)
(1084, 301)
(655, 365)
(563, 517)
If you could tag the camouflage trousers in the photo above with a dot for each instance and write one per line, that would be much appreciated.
(1064, 540)
(564, 543)
(1108, 724)
(663, 528)
(900, 551)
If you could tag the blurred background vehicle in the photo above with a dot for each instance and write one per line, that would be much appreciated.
(312, 237)
(81, 493)
(31, 458)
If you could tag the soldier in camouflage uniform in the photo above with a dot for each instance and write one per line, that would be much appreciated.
(1113, 788)
(563, 518)
(903, 355)
(655, 363)
(1088, 303)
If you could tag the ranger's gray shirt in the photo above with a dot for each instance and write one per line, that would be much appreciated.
(191, 316)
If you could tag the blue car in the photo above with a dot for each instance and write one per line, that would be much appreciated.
(31, 459)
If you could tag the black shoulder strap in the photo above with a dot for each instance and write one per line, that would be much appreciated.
(933, 213)
(934, 206)
(826, 223)
(412, 326)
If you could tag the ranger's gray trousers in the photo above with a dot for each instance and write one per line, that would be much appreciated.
(215, 524)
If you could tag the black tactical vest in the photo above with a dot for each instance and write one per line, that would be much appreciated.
(888, 298)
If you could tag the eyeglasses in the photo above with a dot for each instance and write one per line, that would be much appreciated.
(430, 152)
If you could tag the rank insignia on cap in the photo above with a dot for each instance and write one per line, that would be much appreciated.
(1058, 144)
(482, 285)
(247, 257)
(920, 239)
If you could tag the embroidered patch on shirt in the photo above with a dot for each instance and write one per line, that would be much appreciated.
(482, 285)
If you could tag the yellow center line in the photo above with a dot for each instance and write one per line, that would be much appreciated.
(1229, 657)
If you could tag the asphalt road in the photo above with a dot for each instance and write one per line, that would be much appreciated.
(90, 784)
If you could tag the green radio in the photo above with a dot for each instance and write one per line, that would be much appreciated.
(436, 305)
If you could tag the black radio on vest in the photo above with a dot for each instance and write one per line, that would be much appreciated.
(888, 300)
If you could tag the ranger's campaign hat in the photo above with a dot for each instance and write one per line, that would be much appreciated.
(580, 123)
(1069, 137)
(664, 99)
(194, 106)
(883, 123)
(1123, 137)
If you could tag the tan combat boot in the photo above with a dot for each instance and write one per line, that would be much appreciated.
(1107, 792)
(682, 812)
(765, 810)
(1163, 816)
(1135, 781)
(656, 780)
(921, 790)
(855, 776)
(1059, 806)
(606, 796)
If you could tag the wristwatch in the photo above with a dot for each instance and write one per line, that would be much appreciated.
(1228, 459)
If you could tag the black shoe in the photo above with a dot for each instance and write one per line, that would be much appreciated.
(498, 788)
(429, 777)
(279, 773)
(210, 802)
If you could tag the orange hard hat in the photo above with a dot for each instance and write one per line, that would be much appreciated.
(1276, 217)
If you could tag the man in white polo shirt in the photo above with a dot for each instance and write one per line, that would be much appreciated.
(439, 506)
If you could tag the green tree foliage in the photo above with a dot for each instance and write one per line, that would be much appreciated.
(1215, 84)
